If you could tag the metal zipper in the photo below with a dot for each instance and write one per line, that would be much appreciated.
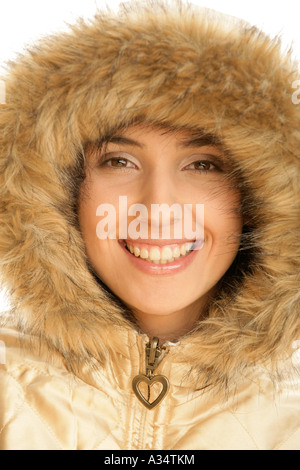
(153, 355)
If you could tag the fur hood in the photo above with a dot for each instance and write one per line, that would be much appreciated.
(174, 65)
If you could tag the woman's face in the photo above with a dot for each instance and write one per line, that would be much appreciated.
(152, 167)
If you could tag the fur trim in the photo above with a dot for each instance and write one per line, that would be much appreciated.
(167, 64)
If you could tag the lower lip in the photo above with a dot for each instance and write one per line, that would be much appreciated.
(160, 269)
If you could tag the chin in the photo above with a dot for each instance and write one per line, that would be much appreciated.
(159, 307)
(154, 309)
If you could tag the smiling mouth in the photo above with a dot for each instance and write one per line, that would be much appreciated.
(158, 254)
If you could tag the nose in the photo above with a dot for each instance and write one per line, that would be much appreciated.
(159, 187)
(161, 196)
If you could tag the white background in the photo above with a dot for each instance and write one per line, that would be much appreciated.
(24, 21)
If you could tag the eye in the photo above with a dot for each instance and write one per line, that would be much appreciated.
(116, 162)
(202, 166)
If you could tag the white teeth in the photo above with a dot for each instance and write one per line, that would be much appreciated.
(154, 254)
(164, 255)
(144, 253)
(136, 251)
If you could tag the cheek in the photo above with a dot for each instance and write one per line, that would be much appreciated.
(223, 219)
(220, 198)
(91, 197)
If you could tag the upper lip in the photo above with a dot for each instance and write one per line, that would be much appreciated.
(158, 241)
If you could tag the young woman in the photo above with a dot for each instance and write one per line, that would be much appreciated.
(128, 331)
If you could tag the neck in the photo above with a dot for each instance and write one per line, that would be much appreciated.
(171, 326)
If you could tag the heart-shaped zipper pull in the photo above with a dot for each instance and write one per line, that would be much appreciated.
(149, 381)
(153, 353)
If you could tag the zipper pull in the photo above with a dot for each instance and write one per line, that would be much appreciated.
(153, 354)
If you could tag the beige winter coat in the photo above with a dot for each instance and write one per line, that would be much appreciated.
(69, 348)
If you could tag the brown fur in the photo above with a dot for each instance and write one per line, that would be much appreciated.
(174, 66)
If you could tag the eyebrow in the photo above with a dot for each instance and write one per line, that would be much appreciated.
(118, 139)
(200, 141)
